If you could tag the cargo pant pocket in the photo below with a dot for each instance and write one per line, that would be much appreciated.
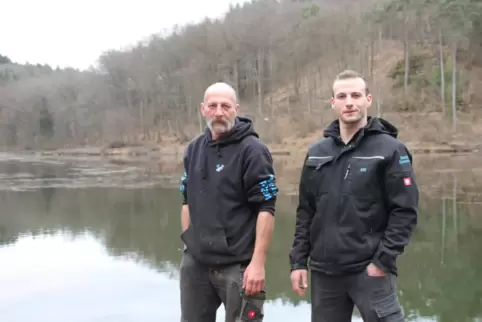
(252, 308)
(385, 301)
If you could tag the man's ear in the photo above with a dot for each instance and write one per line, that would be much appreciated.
(369, 99)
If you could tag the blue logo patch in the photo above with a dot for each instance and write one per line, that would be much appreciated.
(363, 169)
(404, 159)
(182, 187)
(268, 188)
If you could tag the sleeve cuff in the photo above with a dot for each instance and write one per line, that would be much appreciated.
(268, 206)
(384, 261)
(298, 266)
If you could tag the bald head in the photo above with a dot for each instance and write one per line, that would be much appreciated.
(219, 108)
(220, 89)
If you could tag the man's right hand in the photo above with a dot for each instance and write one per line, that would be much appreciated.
(299, 281)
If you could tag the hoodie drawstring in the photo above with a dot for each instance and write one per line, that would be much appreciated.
(243, 128)
(204, 165)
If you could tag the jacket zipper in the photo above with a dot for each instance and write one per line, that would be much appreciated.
(340, 204)
(347, 171)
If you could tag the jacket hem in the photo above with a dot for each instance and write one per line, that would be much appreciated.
(219, 260)
(339, 269)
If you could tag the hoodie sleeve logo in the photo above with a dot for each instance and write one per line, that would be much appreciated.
(404, 159)
(268, 188)
(182, 186)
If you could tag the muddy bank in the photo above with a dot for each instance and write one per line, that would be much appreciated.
(439, 175)
(287, 157)
(177, 150)
(434, 164)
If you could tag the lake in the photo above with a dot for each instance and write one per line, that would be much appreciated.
(92, 240)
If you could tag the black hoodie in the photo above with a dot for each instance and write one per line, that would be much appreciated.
(358, 202)
(226, 184)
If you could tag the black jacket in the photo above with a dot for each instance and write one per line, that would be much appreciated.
(226, 184)
(358, 203)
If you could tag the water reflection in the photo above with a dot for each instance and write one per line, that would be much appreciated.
(112, 254)
(74, 279)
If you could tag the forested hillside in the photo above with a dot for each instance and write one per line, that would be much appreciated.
(423, 59)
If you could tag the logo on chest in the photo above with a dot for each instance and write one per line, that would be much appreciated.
(219, 167)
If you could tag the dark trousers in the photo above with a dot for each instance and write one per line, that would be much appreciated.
(333, 298)
(203, 289)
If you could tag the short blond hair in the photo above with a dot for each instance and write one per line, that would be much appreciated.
(349, 74)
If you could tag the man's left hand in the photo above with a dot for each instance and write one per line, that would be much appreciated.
(373, 270)
(253, 279)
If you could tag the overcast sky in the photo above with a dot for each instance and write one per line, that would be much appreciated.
(75, 32)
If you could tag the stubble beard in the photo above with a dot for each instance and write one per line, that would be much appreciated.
(358, 118)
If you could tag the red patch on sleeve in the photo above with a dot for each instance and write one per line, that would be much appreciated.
(407, 181)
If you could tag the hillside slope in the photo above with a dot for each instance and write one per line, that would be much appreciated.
(283, 77)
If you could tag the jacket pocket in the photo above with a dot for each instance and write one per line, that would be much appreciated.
(317, 162)
(318, 177)
(318, 230)
(365, 216)
(364, 212)
(207, 243)
(365, 178)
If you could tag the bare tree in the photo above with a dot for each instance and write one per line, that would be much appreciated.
(281, 57)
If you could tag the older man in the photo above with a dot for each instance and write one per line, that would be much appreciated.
(227, 216)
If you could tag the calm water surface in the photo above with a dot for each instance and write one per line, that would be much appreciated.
(96, 241)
